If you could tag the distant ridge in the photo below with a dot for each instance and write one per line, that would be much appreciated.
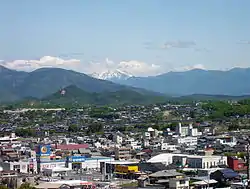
(201, 97)
(194, 85)
(234, 82)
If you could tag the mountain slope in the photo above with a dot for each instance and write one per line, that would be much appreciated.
(9, 80)
(45, 81)
(232, 82)
(75, 95)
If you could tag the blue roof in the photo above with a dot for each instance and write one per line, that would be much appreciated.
(229, 173)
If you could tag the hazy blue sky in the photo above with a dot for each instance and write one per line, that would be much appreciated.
(172, 34)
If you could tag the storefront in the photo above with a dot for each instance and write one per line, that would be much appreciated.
(81, 162)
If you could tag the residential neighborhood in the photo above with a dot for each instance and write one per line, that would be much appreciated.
(151, 146)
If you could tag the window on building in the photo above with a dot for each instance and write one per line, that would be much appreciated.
(15, 167)
(182, 182)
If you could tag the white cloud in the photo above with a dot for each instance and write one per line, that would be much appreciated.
(196, 66)
(138, 68)
(134, 67)
(192, 67)
(178, 44)
(46, 61)
(246, 42)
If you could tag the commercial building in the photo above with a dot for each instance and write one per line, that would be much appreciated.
(81, 162)
(108, 169)
(236, 164)
(191, 161)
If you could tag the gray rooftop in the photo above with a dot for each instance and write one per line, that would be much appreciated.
(166, 173)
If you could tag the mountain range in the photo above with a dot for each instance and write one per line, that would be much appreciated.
(17, 85)
(44, 82)
(233, 82)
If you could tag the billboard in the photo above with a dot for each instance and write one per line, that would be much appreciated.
(76, 159)
(44, 150)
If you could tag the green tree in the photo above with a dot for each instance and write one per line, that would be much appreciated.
(3, 187)
(73, 128)
(26, 186)
(25, 132)
(95, 128)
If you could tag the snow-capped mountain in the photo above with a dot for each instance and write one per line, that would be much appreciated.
(112, 75)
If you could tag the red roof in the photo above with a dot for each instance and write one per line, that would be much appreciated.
(70, 146)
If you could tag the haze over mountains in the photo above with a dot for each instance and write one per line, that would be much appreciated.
(195, 81)
(16, 85)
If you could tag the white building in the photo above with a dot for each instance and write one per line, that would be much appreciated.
(56, 171)
(118, 138)
(189, 141)
(169, 147)
(151, 133)
(164, 158)
(146, 135)
(80, 162)
(184, 131)
(192, 161)
(178, 183)
(22, 166)
(12, 139)
(227, 140)
(192, 131)
(205, 161)
(134, 144)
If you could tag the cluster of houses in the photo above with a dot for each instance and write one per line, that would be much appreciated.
(185, 158)
(184, 155)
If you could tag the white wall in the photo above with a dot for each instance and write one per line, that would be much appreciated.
(50, 165)
(92, 164)
(178, 184)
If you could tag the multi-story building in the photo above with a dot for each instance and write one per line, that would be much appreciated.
(122, 153)
(168, 147)
(227, 140)
(189, 141)
(118, 138)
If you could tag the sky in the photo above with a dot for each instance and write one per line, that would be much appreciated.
(141, 37)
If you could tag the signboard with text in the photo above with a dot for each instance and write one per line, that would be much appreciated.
(76, 159)
(44, 150)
